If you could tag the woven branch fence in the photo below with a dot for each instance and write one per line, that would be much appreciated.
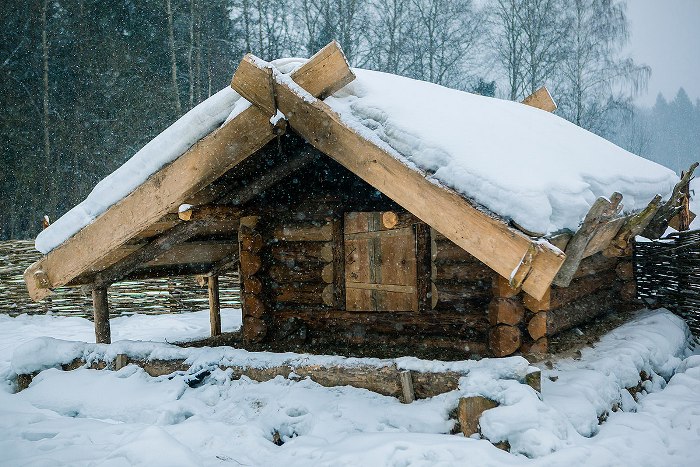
(667, 272)
(151, 296)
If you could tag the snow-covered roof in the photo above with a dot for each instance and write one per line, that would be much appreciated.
(517, 161)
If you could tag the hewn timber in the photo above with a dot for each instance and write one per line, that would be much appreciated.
(633, 226)
(100, 305)
(209, 213)
(657, 225)
(560, 296)
(164, 191)
(491, 241)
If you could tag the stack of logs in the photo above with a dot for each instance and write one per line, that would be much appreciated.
(255, 314)
(303, 265)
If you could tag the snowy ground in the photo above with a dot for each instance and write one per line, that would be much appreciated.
(88, 417)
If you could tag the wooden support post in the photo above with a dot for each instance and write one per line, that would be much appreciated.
(254, 310)
(407, 386)
(101, 316)
(214, 305)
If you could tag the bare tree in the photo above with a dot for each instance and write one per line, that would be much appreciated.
(596, 79)
(173, 56)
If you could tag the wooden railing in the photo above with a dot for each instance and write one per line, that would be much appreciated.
(151, 296)
(667, 273)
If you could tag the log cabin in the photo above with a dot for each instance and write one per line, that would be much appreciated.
(341, 233)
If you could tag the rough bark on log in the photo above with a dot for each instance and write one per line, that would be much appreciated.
(305, 293)
(305, 233)
(573, 314)
(625, 270)
(670, 208)
(101, 316)
(309, 273)
(594, 264)
(635, 225)
(291, 253)
(462, 272)
(214, 306)
(601, 211)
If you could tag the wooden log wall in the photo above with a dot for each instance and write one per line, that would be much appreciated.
(176, 294)
(594, 290)
(253, 300)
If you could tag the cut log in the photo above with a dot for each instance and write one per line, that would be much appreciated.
(441, 208)
(305, 294)
(537, 327)
(538, 305)
(250, 264)
(506, 311)
(254, 329)
(209, 213)
(504, 340)
(252, 243)
(445, 251)
(469, 412)
(541, 99)
(458, 295)
(100, 305)
(670, 208)
(536, 348)
(633, 226)
(308, 272)
(252, 305)
(214, 306)
(601, 211)
(291, 253)
(252, 285)
(603, 236)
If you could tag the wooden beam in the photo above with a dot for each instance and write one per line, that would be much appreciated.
(177, 234)
(491, 241)
(541, 99)
(268, 179)
(209, 213)
(214, 305)
(633, 226)
(100, 305)
(601, 211)
(187, 175)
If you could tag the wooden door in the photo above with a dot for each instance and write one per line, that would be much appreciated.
(380, 265)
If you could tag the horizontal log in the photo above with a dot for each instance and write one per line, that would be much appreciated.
(561, 296)
(443, 250)
(575, 313)
(462, 272)
(595, 264)
(291, 253)
(314, 272)
(304, 233)
(603, 236)
(304, 293)
(209, 212)
(410, 324)
(538, 347)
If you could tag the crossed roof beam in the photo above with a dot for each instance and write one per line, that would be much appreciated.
(525, 263)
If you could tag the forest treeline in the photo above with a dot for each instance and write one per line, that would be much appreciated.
(86, 83)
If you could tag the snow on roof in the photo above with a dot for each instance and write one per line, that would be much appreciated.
(519, 162)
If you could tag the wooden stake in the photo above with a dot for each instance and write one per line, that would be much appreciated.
(101, 315)
(214, 306)
(407, 386)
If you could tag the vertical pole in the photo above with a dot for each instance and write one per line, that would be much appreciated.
(101, 315)
(214, 305)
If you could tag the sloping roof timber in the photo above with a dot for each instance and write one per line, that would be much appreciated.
(164, 191)
(507, 251)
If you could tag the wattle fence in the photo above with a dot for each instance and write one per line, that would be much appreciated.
(667, 272)
(152, 296)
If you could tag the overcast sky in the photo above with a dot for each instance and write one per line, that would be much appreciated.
(665, 34)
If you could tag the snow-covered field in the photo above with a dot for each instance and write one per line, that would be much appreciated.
(89, 417)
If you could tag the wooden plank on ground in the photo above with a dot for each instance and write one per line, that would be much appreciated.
(490, 240)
